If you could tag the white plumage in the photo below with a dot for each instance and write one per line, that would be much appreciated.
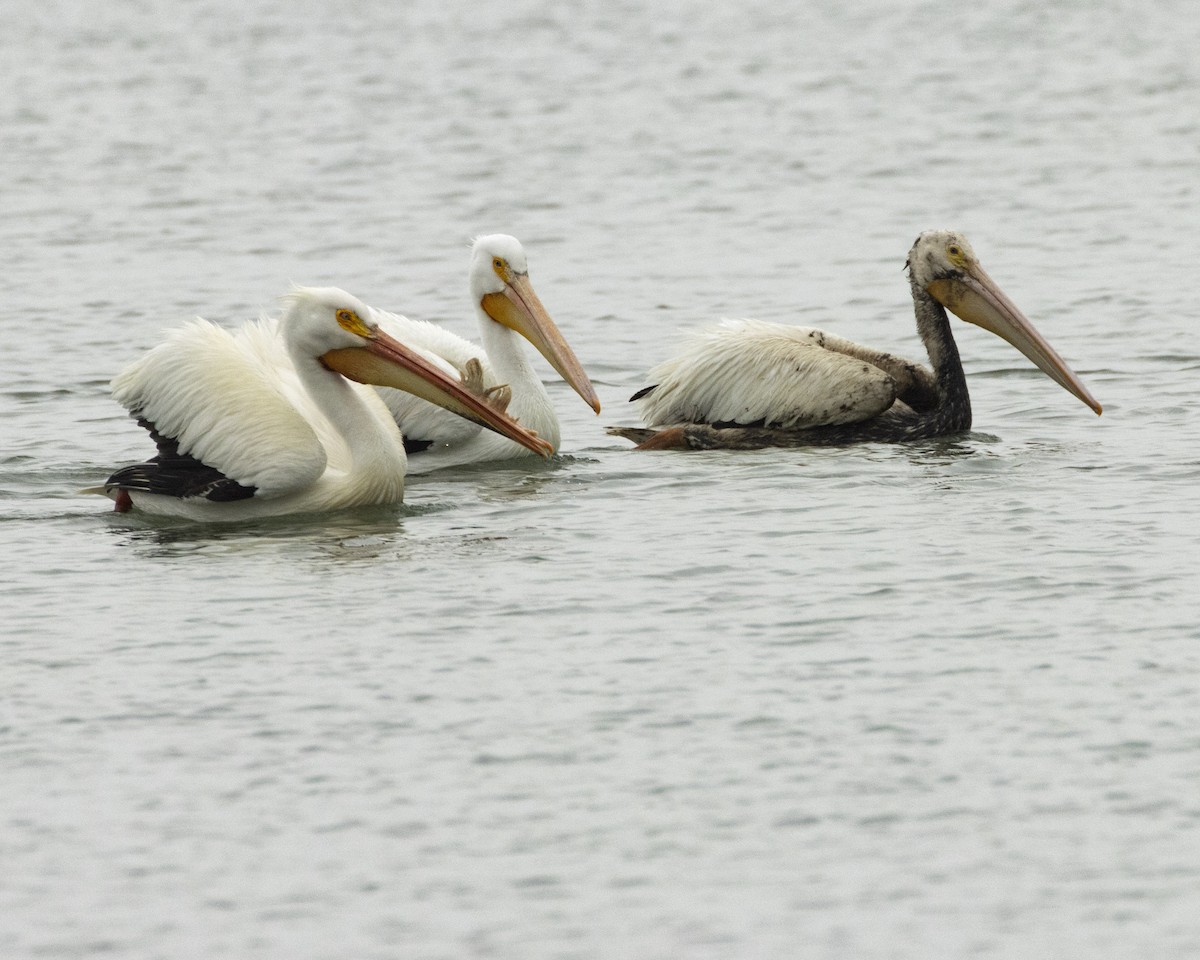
(202, 379)
(452, 439)
(508, 312)
(263, 421)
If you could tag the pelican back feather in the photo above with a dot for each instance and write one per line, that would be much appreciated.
(224, 404)
(750, 372)
(419, 420)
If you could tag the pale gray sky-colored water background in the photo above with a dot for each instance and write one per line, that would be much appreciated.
(936, 700)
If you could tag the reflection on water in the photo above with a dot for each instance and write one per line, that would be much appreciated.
(951, 451)
(166, 537)
(500, 483)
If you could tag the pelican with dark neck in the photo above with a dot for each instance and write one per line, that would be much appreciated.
(745, 384)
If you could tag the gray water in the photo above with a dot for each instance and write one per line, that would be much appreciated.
(923, 701)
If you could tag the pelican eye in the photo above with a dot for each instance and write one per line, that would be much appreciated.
(352, 322)
(957, 254)
(501, 268)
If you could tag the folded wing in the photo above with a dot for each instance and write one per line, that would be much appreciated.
(208, 397)
(749, 372)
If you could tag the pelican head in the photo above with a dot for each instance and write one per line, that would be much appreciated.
(500, 285)
(942, 263)
(342, 333)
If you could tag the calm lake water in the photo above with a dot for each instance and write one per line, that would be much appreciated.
(935, 700)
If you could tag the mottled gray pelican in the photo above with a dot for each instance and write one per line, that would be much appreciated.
(745, 384)
(247, 426)
(508, 312)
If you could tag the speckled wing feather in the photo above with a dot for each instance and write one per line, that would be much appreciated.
(750, 372)
(202, 390)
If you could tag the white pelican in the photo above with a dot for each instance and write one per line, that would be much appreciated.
(746, 384)
(507, 310)
(245, 429)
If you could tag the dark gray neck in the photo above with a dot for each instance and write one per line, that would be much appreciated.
(933, 326)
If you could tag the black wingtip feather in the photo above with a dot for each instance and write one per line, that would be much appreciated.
(175, 474)
(412, 446)
(182, 477)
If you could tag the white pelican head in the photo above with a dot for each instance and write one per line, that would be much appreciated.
(500, 284)
(341, 332)
(942, 263)
(318, 319)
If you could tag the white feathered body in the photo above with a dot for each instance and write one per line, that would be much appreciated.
(236, 402)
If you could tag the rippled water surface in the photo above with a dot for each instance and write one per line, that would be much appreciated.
(934, 700)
